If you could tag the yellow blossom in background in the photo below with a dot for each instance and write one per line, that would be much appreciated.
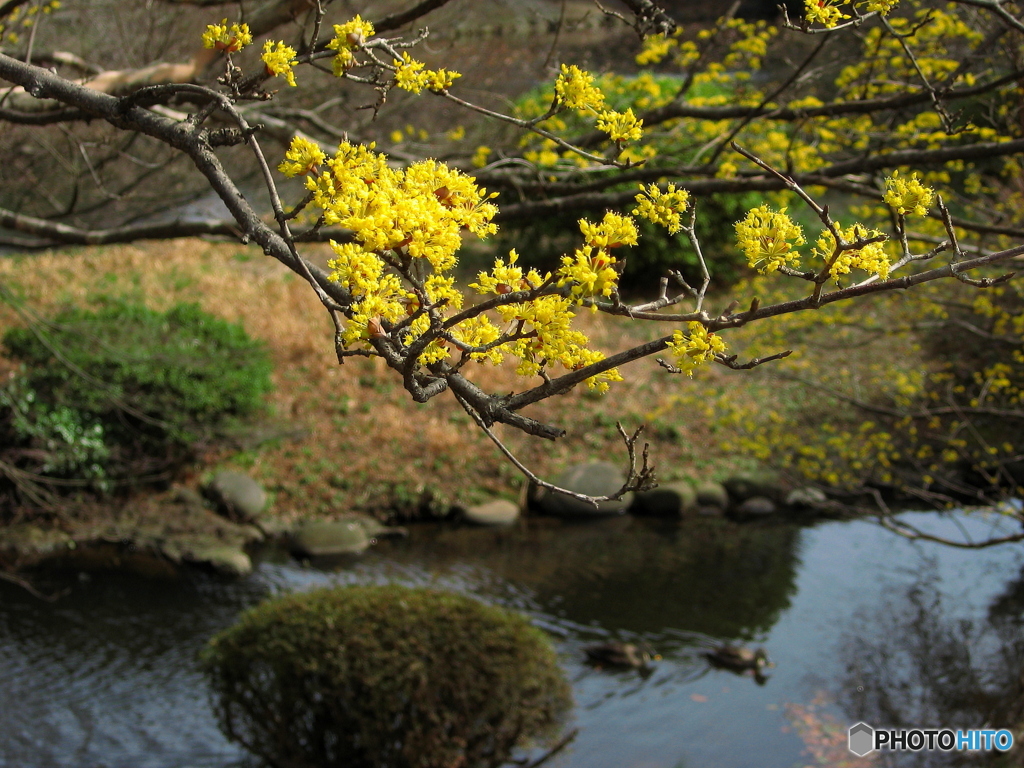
(576, 90)
(824, 11)
(279, 60)
(614, 231)
(908, 197)
(870, 258)
(662, 208)
(480, 156)
(228, 39)
(621, 126)
(458, 133)
(695, 348)
(767, 238)
(656, 48)
(302, 157)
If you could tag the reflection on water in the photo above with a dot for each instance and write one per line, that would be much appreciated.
(107, 676)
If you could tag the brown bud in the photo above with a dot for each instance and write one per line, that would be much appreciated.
(503, 288)
(374, 329)
(354, 38)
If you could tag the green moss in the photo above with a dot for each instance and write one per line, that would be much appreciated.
(383, 676)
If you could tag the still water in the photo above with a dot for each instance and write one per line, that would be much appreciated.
(860, 623)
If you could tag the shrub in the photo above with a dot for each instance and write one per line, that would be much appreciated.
(125, 391)
(383, 676)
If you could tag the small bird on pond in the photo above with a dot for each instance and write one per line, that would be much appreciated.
(623, 655)
(738, 659)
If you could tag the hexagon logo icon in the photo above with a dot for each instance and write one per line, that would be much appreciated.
(862, 739)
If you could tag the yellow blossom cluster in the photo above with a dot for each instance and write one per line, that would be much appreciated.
(767, 238)
(870, 258)
(279, 60)
(303, 156)
(348, 37)
(662, 208)
(229, 39)
(825, 12)
(908, 197)
(23, 17)
(411, 75)
(546, 322)
(695, 348)
(575, 89)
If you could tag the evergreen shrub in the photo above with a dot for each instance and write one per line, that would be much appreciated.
(373, 676)
(124, 391)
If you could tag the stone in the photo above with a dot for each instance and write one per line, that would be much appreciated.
(374, 529)
(496, 512)
(806, 496)
(598, 478)
(677, 499)
(237, 495)
(745, 486)
(326, 537)
(227, 560)
(755, 506)
(712, 494)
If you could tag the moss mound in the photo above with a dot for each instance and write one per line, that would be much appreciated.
(383, 676)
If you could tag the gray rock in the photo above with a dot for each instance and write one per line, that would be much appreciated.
(746, 486)
(374, 529)
(497, 512)
(711, 494)
(228, 560)
(237, 495)
(595, 479)
(807, 496)
(676, 499)
(755, 506)
(326, 537)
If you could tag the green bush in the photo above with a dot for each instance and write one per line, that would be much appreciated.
(383, 676)
(125, 391)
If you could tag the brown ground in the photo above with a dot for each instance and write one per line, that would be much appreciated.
(369, 446)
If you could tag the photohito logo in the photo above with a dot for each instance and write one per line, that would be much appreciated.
(863, 739)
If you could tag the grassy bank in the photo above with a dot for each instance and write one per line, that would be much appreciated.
(365, 445)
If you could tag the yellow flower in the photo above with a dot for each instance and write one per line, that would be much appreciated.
(767, 238)
(228, 39)
(614, 230)
(695, 348)
(480, 156)
(908, 196)
(590, 271)
(302, 157)
(576, 90)
(870, 258)
(881, 6)
(824, 11)
(279, 60)
(662, 207)
(348, 36)
(411, 76)
(621, 126)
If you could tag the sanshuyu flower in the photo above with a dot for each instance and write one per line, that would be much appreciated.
(621, 126)
(302, 157)
(824, 11)
(228, 39)
(279, 60)
(767, 238)
(662, 208)
(575, 89)
(695, 348)
(348, 36)
(908, 197)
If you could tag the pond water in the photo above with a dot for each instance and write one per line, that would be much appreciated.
(860, 623)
